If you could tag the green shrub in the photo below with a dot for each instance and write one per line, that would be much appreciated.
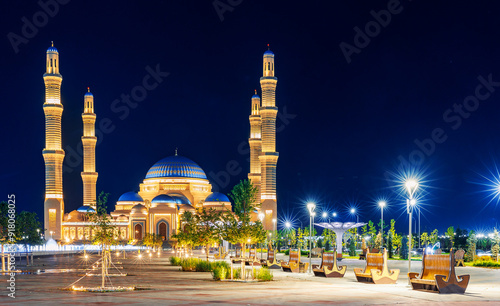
(485, 262)
(203, 266)
(220, 272)
(264, 274)
(302, 253)
(189, 264)
(236, 273)
(175, 261)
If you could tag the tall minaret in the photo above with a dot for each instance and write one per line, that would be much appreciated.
(255, 143)
(53, 154)
(269, 157)
(89, 175)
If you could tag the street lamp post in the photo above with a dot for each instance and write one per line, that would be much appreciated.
(382, 205)
(288, 225)
(411, 186)
(310, 206)
(261, 218)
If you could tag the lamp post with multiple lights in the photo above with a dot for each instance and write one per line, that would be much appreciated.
(382, 204)
(411, 186)
(310, 206)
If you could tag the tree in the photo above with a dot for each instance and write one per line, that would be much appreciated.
(152, 240)
(187, 234)
(390, 248)
(424, 238)
(378, 241)
(238, 227)
(471, 247)
(103, 232)
(26, 230)
(352, 247)
(450, 233)
(208, 228)
(403, 251)
(495, 248)
(434, 238)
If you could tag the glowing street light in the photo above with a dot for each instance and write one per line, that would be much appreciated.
(51, 232)
(334, 214)
(288, 224)
(411, 185)
(310, 206)
(353, 211)
(382, 204)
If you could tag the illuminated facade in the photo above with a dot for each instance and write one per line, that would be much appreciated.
(89, 140)
(171, 187)
(262, 141)
(53, 154)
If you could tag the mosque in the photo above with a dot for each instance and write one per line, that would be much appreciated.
(172, 186)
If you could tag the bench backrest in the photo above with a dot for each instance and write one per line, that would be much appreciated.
(294, 256)
(374, 250)
(327, 260)
(270, 255)
(435, 264)
(252, 253)
(374, 261)
(459, 254)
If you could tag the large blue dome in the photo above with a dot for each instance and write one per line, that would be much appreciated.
(217, 197)
(176, 166)
(130, 196)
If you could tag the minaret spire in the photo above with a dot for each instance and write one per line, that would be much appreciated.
(268, 157)
(53, 154)
(89, 140)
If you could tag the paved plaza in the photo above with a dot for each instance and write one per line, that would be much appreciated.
(161, 283)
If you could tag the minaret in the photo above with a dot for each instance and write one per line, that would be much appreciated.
(53, 154)
(269, 157)
(255, 143)
(89, 140)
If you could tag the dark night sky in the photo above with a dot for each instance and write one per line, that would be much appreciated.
(352, 120)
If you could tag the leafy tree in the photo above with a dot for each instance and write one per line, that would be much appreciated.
(26, 230)
(352, 247)
(495, 248)
(434, 237)
(450, 232)
(103, 232)
(460, 239)
(320, 243)
(378, 241)
(186, 236)
(471, 247)
(300, 238)
(238, 227)
(327, 246)
(372, 232)
(424, 238)
(403, 251)
(152, 240)
(390, 248)
(208, 228)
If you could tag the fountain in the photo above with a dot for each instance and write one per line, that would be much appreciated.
(51, 245)
(339, 228)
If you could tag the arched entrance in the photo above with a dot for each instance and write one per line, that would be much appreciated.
(138, 232)
(162, 229)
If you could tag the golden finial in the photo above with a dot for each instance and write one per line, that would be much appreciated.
(52, 43)
(88, 89)
(268, 47)
(255, 91)
(175, 151)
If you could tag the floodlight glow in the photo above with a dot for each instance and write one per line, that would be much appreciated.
(261, 216)
(413, 202)
(353, 211)
(334, 214)
(311, 206)
(325, 215)
(287, 224)
(382, 204)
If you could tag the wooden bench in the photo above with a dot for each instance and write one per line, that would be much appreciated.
(252, 260)
(237, 256)
(328, 267)
(271, 262)
(221, 254)
(376, 270)
(293, 264)
(362, 256)
(459, 258)
(317, 252)
(438, 275)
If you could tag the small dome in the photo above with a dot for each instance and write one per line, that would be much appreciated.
(122, 218)
(75, 216)
(130, 196)
(163, 199)
(86, 209)
(52, 48)
(217, 197)
(268, 52)
(256, 96)
(139, 209)
(180, 198)
(176, 166)
(88, 94)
